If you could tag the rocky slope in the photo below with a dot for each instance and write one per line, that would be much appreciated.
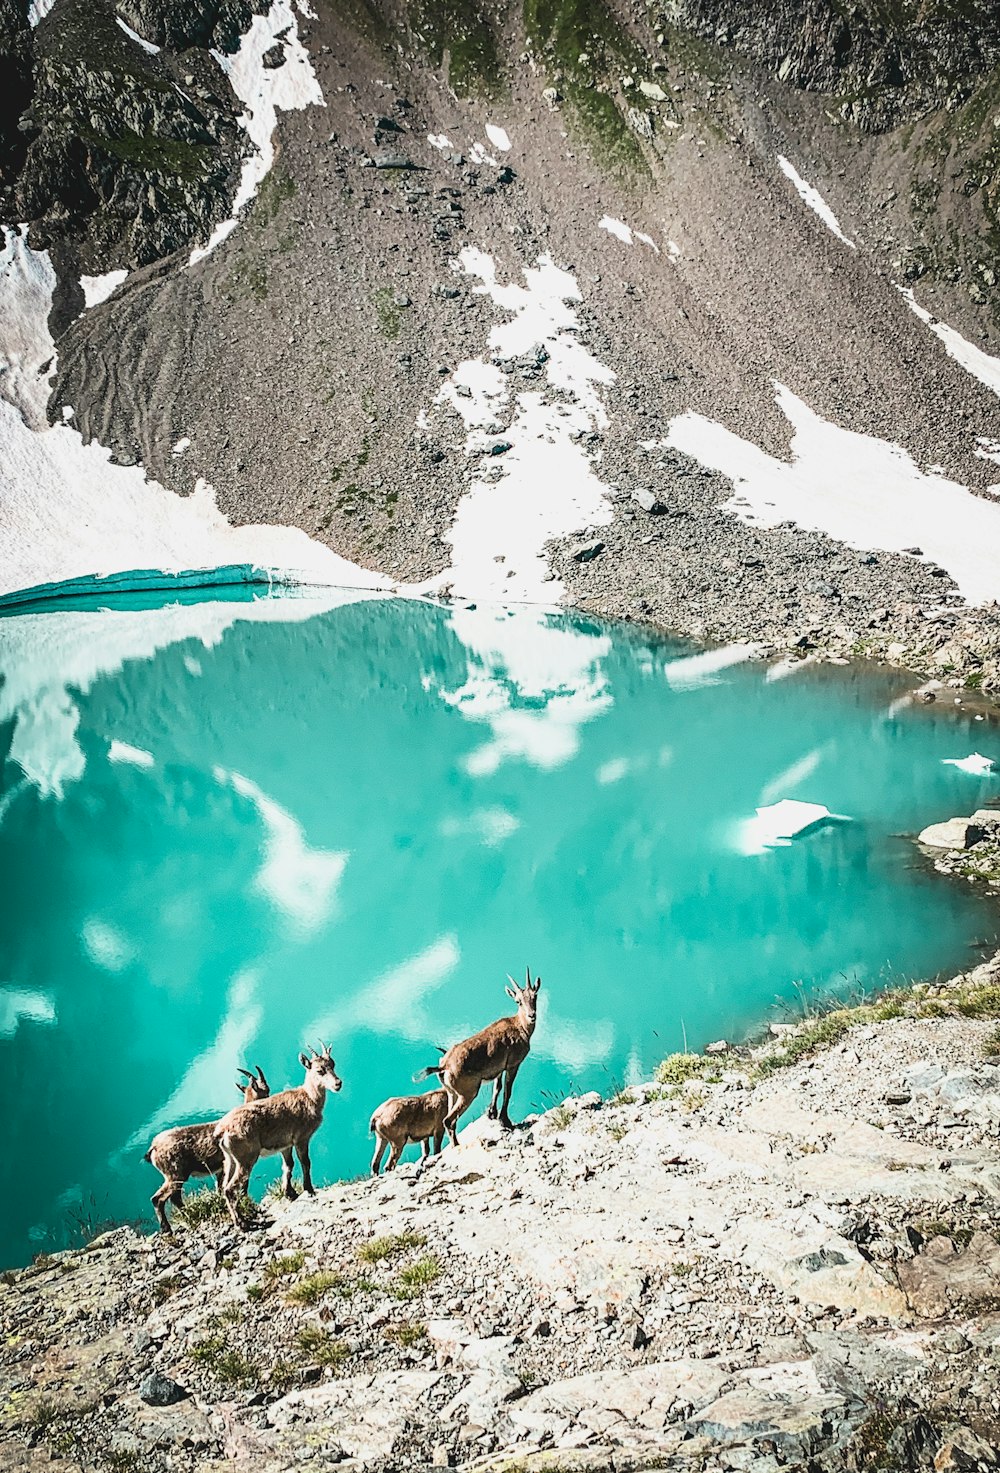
(313, 366)
(784, 1259)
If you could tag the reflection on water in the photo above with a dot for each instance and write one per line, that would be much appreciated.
(231, 827)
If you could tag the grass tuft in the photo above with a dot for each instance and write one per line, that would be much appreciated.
(285, 1267)
(679, 1068)
(320, 1348)
(377, 1250)
(214, 1355)
(416, 1277)
(313, 1287)
(406, 1334)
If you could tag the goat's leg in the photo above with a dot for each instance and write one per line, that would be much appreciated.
(491, 1113)
(397, 1151)
(457, 1106)
(438, 1140)
(509, 1077)
(234, 1191)
(230, 1165)
(307, 1182)
(380, 1147)
(159, 1200)
(286, 1175)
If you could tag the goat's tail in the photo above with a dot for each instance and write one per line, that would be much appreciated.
(426, 1073)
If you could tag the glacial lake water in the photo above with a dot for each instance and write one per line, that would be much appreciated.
(230, 826)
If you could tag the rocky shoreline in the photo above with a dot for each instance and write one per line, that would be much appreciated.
(784, 1256)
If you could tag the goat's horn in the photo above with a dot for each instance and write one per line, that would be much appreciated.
(260, 1074)
(312, 1050)
(326, 1050)
(511, 980)
(245, 1072)
(527, 976)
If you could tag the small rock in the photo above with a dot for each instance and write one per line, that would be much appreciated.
(159, 1391)
(587, 551)
(954, 833)
(719, 1047)
(274, 57)
(653, 91)
(647, 501)
(392, 161)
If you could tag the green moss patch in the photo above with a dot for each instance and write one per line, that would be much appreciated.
(586, 51)
(459, 36)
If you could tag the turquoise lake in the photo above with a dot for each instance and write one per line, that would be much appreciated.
(230, 826)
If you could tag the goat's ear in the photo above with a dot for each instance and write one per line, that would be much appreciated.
(303, 1060)
(511, 993)
(240, 1088)
(538, 983)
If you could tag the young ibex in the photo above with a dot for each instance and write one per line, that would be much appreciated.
(192, 1150)
(278, 1125)
(496, 1053)
(407, 1118)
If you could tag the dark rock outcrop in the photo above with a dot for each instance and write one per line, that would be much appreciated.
(114, 154)
(882, 63)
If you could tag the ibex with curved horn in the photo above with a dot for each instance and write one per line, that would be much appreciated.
(496, 1053)
(276, 1126)
(192, 1150)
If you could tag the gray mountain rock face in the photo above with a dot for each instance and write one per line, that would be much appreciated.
(882, 64)
(116, 156)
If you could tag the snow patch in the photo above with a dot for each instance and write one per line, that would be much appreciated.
(860, 490)
(479, 155)
(775, 826)
(38, 10)
(263, 91)
(97, 289)
(27, 353)
(134, 36)
(67, 512)
(976, 764)
(544, 486)
(981, 365)
(625, 233)
(498, 137)
(440, 142)
(815, 201)
(615, 227)
(179, 446)
(133, 756)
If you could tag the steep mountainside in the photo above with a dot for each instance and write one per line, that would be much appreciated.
(499, 270)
